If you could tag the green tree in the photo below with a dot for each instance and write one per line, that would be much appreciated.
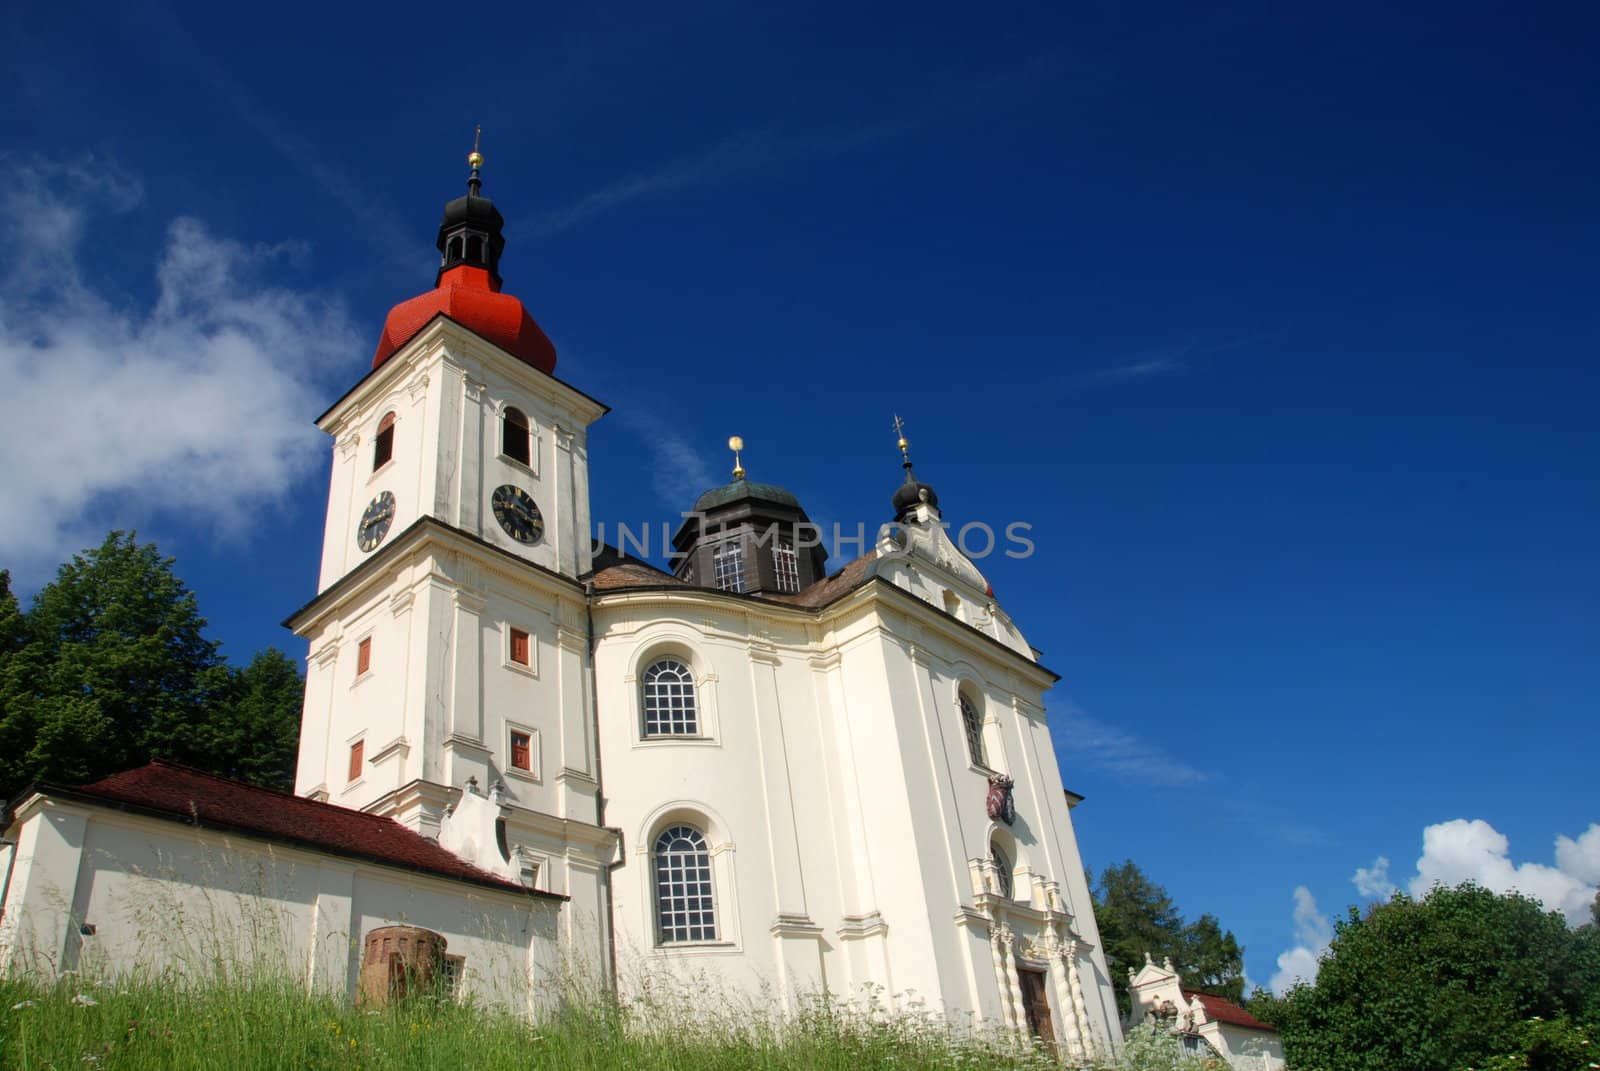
(1137, 917)
(110, 667)
(1449, 981)
(255, 735)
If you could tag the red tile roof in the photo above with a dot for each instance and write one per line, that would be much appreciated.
(1226, 1012)
(180, 793)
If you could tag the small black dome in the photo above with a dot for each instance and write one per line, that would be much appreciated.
(910, 493)
(470, 209)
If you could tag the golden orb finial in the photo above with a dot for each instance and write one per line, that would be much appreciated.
(475, 161)
(736, 443)
(902, 442)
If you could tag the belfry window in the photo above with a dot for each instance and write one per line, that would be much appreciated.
(383, 445)
(727, 563)
(972, 725)
(684, 907)
(669, 708)
(786, 564)
(514, 436)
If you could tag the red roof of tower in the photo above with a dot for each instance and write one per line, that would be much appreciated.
(471, 297)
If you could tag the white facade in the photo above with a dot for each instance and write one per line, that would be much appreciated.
(1208, 1024)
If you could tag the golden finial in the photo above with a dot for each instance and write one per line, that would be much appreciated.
(900, 439)
(735, 443)
(475, 158)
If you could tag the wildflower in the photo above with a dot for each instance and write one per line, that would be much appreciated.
(24, 1004)
(84, 999)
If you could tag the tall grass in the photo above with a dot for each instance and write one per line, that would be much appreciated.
(239, 1026)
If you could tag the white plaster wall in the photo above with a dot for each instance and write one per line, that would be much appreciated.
(833, 784)
(160, 895)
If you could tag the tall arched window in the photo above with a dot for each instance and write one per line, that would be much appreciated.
(669, 708)
(1002, 869)
(383, 444)
(684, 908)
(514, 436)
(972, 723)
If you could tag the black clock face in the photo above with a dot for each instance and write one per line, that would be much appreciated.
(518, 513)
(375, 521)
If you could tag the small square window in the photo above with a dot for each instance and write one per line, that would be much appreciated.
(519, 647)
(357, 752)
(521, 751)
(451, 971)
(364, 656)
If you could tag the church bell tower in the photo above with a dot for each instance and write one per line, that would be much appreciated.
(448, 636)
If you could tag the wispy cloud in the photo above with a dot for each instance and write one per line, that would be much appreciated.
(1158, 363)
(321, 167)
(679, 469)
(752, 150)
(1155, 366)
(1120, 753)
(1312, 935)
(196, 404)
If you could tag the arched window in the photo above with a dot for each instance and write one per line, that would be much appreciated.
(383, 445)
(514, 436)
(972, 723)
(475, 248)
(1002, 868)
(669, 700)
(684, 909)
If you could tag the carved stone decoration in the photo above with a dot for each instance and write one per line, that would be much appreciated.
(1000, 805)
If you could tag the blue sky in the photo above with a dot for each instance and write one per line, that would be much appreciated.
(1278, 326)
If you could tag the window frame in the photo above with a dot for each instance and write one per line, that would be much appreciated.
(383, 441)
(728, 549)
(786, 566)
(972, 731)
(532, 771)
(526, 426)
(1005, 869)
(357, 768)
(696, 894)
(686, 680)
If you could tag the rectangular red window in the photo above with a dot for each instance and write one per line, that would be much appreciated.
(363, 656)
(519, 647)
(521, 751)
(357, 749)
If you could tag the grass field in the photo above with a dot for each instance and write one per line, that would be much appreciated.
(155, 1026)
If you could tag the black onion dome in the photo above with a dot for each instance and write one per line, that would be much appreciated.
(910, 493)
(470, 209)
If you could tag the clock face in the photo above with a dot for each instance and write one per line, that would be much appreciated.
(518, 513)
(375, 522)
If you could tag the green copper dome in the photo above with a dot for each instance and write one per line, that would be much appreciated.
(732, 492)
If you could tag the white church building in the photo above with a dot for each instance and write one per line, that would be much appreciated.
(749, 769)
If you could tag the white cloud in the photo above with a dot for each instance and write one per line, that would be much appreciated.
(111, 413)
(1461, 850)
(1581, 857)
(1373, 882)
(1122, 753)
(1312, 934)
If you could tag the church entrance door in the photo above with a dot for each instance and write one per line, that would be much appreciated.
(1035, 1004)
